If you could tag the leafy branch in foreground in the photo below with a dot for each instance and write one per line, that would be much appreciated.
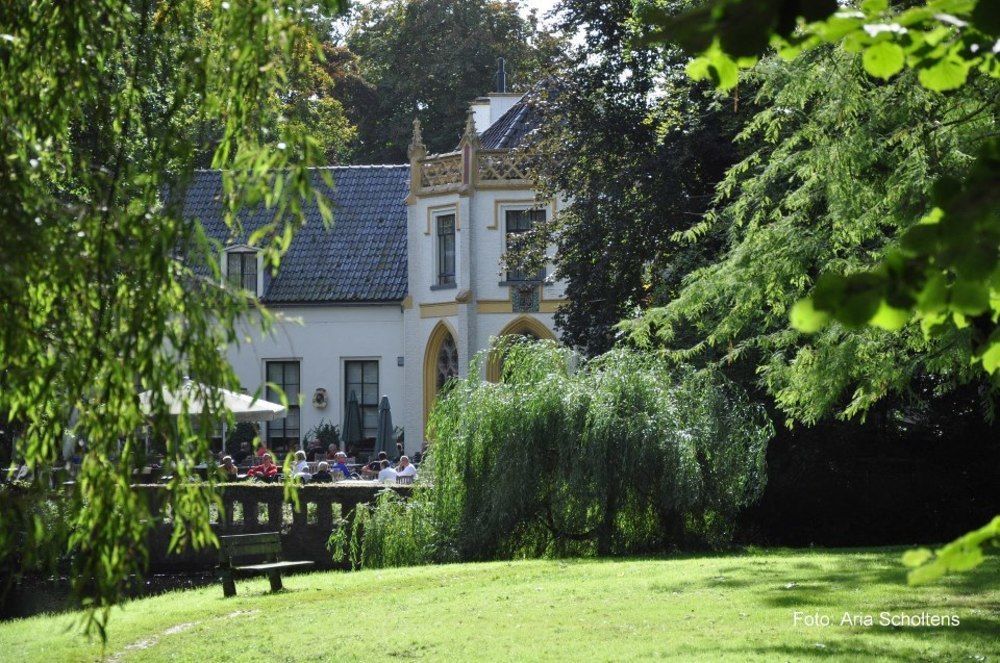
(106, 290)
(962, 554)
(944, 40)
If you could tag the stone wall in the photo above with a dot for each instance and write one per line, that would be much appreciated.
(251, 507)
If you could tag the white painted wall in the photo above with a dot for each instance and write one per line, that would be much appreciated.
(321, 338)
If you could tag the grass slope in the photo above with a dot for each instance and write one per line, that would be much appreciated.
(700, 608)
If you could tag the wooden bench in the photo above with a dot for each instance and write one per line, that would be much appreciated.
(266, 545)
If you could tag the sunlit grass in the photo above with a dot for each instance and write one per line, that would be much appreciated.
(727, 607)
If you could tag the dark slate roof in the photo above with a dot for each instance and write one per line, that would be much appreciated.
(512, 127)
(361, 258)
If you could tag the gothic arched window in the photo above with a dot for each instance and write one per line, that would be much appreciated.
(447, 361)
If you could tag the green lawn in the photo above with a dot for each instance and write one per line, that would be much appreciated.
(698, 608)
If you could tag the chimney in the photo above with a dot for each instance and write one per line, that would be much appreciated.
(481, 113)
(501, 75)
(501, 101)
(487, 110)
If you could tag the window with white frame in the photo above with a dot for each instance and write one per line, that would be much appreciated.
(361, 379)
(517, 222)
(445, 249)
(241, 270)
(283, 433)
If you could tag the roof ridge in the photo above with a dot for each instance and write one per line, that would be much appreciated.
(342, 167)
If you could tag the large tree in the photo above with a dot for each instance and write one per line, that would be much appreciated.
(105, 288)
(429, 59)
(909, 227)
(640, 148)
(844, 164)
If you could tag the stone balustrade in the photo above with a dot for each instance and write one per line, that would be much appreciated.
(257, 507)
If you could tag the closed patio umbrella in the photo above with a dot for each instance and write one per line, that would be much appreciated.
(384, 439)
(352, 422)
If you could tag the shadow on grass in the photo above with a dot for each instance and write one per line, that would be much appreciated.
(839, 651)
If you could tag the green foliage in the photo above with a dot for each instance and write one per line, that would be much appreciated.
(429, 59)
(105, 289)
(619, 455)
(641, 147)
(394, 531)
(946, 269)
(326, 432)
(839, 166)
(962, 554)
(944, 40)
(944, 272)
(35, 531)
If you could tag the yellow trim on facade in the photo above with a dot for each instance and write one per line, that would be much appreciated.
(494, 306)
(505, 305)
(436, 210)
(441, 331)
(532, 203)
(550, 305)
(439, 310)
(519, 325)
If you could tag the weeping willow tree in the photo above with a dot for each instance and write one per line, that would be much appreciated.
(106, 288)
(620, 454)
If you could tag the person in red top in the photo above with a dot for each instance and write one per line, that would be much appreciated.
(267, 470)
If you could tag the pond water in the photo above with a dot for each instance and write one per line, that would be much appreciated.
(33, 596)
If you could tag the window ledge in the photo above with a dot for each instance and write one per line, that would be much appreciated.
(533, 282)
(444, 286)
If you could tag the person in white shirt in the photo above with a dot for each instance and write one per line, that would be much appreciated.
(300, 467)
(405, 469)
(386, 474)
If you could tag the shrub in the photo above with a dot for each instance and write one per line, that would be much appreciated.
(326, 433)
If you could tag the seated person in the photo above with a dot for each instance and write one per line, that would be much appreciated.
(331, 452)
(405, 468)
(313, 447)
(228, 469)
(242, 454)
(267, 470)
(322, 473)
(373, 468)
(386, 474)
(341, 465)
(300, 466)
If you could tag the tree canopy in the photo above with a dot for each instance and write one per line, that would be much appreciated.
(940, 268)
(640, 147)
(429, 59)
(843, 165)
(105, 289)
(619, 454)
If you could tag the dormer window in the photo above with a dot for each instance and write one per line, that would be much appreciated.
(243, 269)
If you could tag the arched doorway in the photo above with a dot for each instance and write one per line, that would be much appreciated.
(523, 326)
(440, 363)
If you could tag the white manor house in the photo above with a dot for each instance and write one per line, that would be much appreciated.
(404, 288)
